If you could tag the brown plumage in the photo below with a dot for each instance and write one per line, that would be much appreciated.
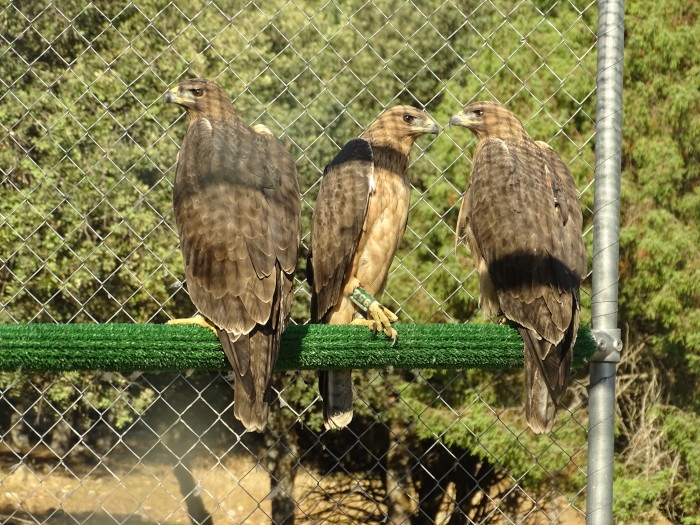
(522, 221)
(237, 208)
(358, 223)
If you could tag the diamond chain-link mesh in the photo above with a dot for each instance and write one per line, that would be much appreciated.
(87, 153)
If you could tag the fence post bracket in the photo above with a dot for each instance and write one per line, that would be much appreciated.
(608, 345)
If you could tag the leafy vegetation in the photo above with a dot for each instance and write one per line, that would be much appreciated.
(88, 153)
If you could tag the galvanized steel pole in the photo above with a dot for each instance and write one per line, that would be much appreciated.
(606, 244)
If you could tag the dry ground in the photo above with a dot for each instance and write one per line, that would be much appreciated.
(232, 491)
(149, 494)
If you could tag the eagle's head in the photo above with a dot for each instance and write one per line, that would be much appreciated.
(406, 122)
(488, 119)
(398, 128)
(199, 96)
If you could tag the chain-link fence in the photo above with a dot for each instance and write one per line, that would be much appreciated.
(88, 152)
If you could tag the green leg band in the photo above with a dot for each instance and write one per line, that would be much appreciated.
(362, 299)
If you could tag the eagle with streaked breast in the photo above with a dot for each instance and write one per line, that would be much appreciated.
(522, 221)
(359, 220)
(237, 208)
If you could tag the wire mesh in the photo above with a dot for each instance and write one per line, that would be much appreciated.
(88, 152)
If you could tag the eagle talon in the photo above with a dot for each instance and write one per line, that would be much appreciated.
(383, 317)
(392, 334)
(367, 323)
(197, 319)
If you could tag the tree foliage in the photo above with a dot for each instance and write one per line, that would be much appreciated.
(660, 258)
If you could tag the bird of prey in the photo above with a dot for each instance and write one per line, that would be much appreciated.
(237, 208)
(522, 222)
(358, 223)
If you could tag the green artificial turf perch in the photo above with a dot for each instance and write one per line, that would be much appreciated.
(150, 348)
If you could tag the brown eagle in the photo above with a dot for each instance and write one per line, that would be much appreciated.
(358, 223)
(522, 221)
(237, 208)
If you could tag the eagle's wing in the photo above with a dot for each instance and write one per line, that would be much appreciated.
(281, 189)
(279, 184)
(337, 222)
(488, 299)
(573, 252)
(236, 203)
(463, 228)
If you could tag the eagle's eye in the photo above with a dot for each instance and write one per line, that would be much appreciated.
(408, 118)
(197, 92)
(479, 112)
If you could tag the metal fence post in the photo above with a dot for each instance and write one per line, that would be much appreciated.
(606, 244)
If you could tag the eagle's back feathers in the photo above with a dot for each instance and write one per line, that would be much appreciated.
(237, 208)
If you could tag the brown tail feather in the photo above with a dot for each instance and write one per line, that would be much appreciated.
(253, 413)
(546, 377)
(336, 390)
(540, 405)
(253, 359)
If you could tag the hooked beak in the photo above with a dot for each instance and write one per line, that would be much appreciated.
(430, 126)
(425, 126)
(462, 119)
(173, 96)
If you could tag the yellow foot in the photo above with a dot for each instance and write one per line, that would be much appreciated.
(372, 325)
(198, 319)
(381, 319)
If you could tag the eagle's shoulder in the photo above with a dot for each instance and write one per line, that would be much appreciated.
(493, 157)
(357, 150)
